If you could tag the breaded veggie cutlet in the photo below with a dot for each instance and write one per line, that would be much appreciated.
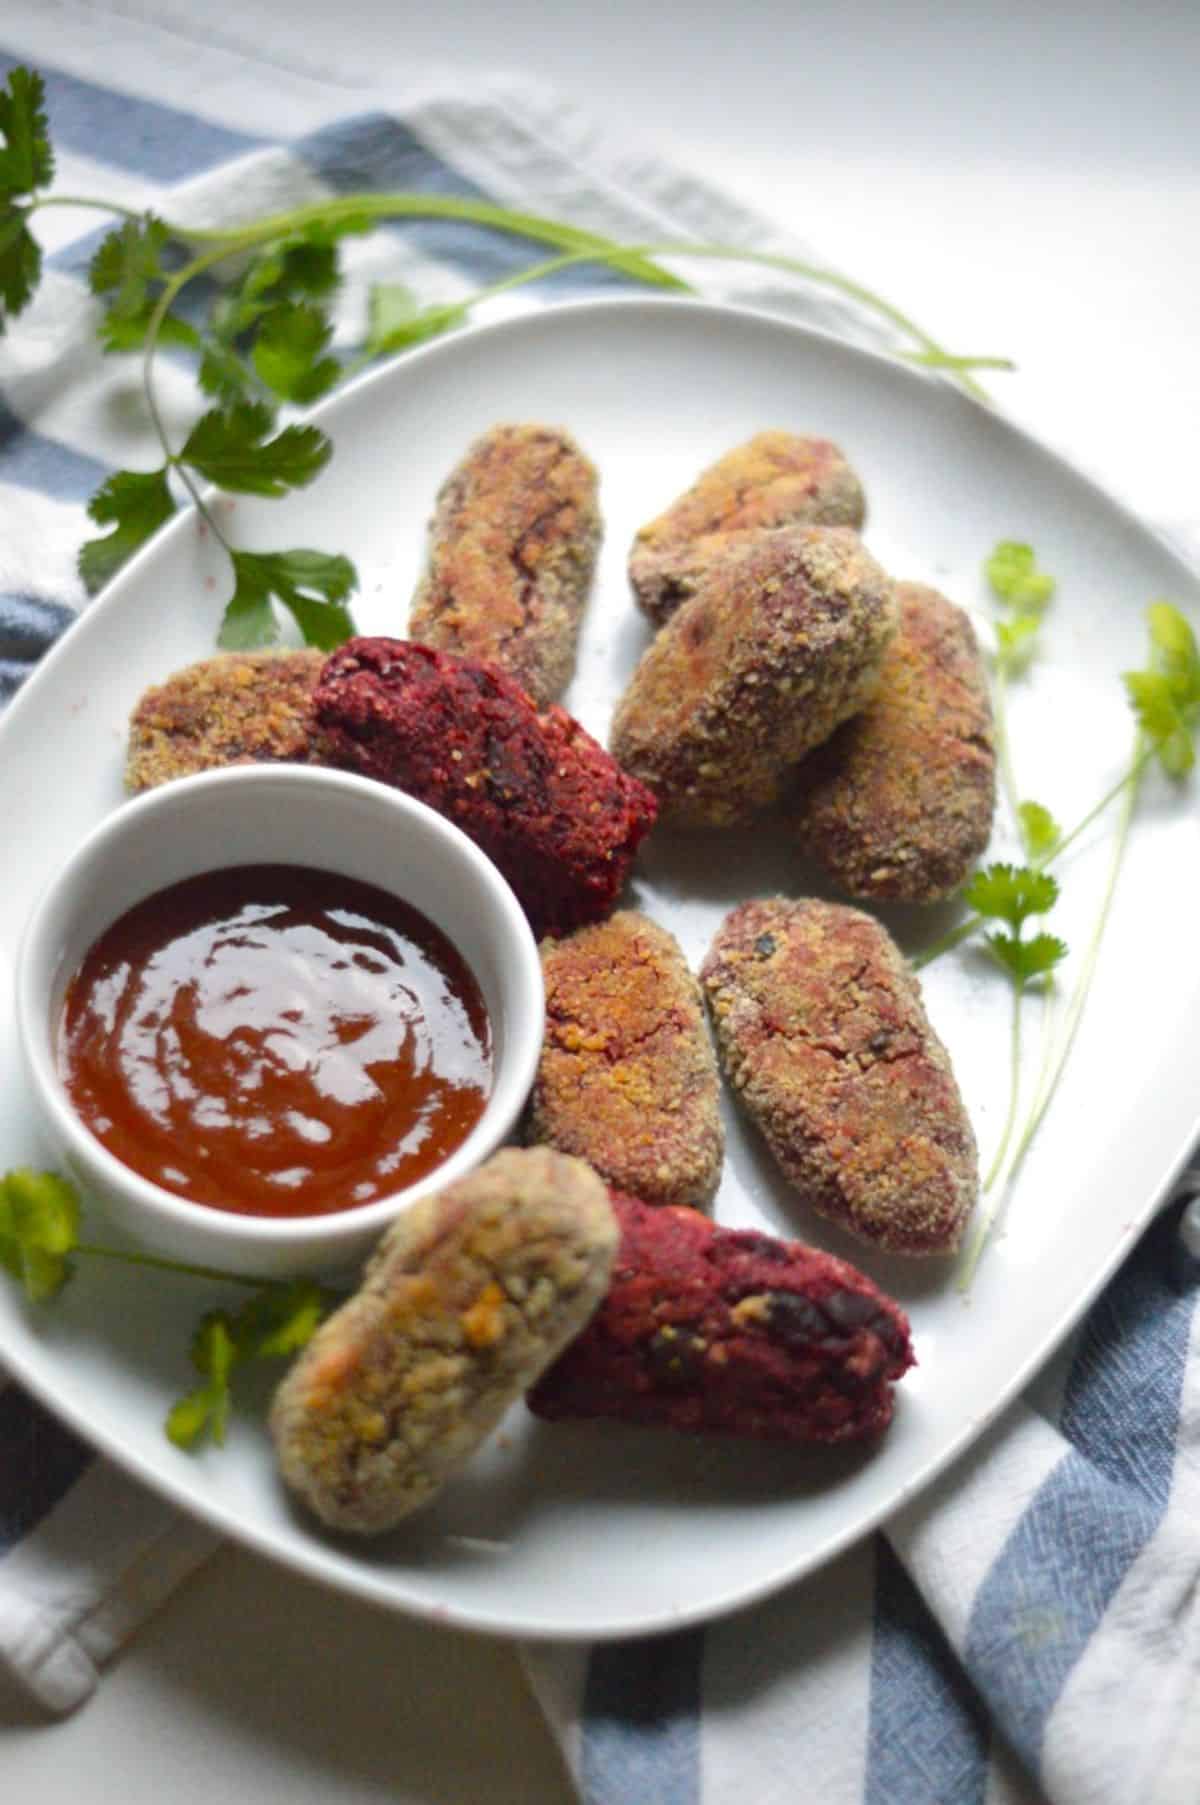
(726, 1331)
(774, 479)
(535, 791)
(782, 641)
(512, 549)
(239, 708)
(469, 1296)
(823, 1036)
(628, 1078)
(898, 803)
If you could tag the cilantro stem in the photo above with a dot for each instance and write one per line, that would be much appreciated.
(129, 1258)
(930, 353)
(1047, 1086)
(376, 207)
(1144, 752)
(1008, 776)
(1053, 1067)
(1014, 1088)
(82, 200)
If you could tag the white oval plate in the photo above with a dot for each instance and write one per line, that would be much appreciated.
(589, 1531)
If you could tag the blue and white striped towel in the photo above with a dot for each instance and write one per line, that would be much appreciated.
(1028, 1629)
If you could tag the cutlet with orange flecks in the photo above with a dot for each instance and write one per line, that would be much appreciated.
(628, 1077)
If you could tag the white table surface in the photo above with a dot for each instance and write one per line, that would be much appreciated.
(1022, 178)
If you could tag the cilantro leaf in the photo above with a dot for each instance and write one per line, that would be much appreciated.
(310, 584)
(136, 502)
(20, 262)
(1165, 696)
(127, 261)
(277, 1321)
(395, 319)
(214, 1355)
(1014, 576)
(1015, 641)
(127, 332)
(280, 1319)
(1040, 832)
(1025, 960)
(1173, 640)
(292, 271)
(39, 1228)
(288, 352)
(231, 447)
(223, 375)
(1011, 893)
(26, 159)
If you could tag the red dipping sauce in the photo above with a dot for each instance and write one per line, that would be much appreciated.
(276, 1041)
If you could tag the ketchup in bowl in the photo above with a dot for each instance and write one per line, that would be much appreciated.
(275, 1040)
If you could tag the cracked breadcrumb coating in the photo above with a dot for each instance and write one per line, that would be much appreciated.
(239, 708)
(898, 803)
(726, 1331)
(782, 641)
(823, 1036)
(536, 792)
(775, 479)
(469, 1296)
(513, 545)
(628, 1077)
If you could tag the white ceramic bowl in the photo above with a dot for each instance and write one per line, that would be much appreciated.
(281, 814)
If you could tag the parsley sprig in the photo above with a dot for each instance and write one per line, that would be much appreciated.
(266, 344)
(40, 1247)
(1165, 698)
(26, 167)
(1011, 895)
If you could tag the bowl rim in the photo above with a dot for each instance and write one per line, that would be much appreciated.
(514, 1068)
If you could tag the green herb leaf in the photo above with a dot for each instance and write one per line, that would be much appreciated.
(1173, 640)
(20, 262)
(231, 447)
(293, 271)
(1166, 695)
(1040, 832)
(310, 265)
(1025, 960)
(1011, 893)
(1016, 640)
(396, 320)
(127, 262)
(288, 352)
(137, 502)
(280, 1319)
(1014, 576)
(310, 584)
(39, 1229)
(214, 1355)
(26, 159)
(128, 332)
(1153, 703)
(275, 1322)
(223, 375)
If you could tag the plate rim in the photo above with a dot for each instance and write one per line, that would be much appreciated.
(370, 1583)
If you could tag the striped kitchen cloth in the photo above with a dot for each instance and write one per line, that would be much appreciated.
(1027, 1629)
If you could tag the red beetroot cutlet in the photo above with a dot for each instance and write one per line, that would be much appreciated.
(713, 1330)
(535, 791)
